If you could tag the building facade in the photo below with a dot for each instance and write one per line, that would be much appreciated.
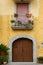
(30, 41)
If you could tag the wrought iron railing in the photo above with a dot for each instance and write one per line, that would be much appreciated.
(19, 25)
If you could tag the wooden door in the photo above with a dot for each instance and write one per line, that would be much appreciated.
(27, 50)
(17, 51)
(22, 50)
(22, 9)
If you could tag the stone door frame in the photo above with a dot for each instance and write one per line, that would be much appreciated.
(22, 36)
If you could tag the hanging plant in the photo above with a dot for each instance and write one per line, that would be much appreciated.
(28, 15)
(15, 15)
(13, 21)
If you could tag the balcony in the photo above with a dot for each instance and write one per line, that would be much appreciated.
(22, 1)
(18, 25)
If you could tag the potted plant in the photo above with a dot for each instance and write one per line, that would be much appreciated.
(3, 52)
(13, 22)
(1, 62)
(29, 24)
(19, 23)
(40, 59)
(15, 15)
(5, 60)
(28, 15)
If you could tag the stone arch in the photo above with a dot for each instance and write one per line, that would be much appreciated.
(22, 36)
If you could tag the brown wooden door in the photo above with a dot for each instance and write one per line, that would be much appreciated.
(22, 50)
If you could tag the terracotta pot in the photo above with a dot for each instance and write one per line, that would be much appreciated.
(40, 62)
(28, 15)
(4, 63)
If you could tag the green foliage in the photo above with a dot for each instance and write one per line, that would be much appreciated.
(4, 59)
(13, 21)
(3, 49)
(27, 24)
(40, 58)
(15, 15)
(32, 22)
(29, 21)
(19, 23)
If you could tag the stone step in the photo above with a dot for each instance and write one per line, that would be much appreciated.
(23, 63)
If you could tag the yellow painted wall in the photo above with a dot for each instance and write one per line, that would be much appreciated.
(6, 32)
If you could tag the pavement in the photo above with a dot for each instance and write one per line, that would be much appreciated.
(22, 63)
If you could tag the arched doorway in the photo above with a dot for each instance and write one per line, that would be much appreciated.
(22, 50)
(25, 37)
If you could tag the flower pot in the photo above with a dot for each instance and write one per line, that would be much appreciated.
(41, 62)
(28, 15)
(4, 63)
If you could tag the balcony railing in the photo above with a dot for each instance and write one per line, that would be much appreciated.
(18, 25)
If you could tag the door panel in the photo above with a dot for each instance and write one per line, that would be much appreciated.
(22, 50)
(17, 52)
(28, 51)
